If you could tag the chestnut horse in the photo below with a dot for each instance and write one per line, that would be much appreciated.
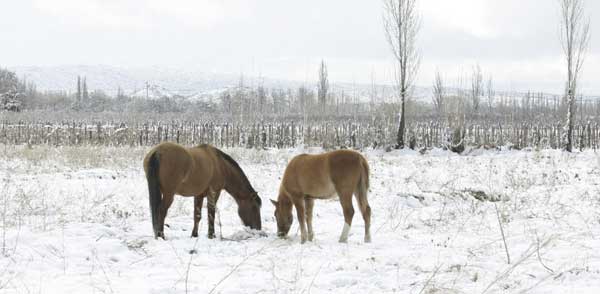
(309, 177)
(199, 172)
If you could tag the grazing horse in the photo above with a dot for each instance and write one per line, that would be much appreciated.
(201, 171)
(309, 177)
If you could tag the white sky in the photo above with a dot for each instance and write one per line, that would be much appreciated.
(515, 41)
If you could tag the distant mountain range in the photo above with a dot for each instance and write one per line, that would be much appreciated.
(155, 82)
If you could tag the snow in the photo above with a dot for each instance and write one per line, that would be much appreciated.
(76, 220)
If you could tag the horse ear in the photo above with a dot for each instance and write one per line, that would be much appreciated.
(274, 202)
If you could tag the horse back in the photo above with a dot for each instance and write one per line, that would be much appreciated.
(323, 175)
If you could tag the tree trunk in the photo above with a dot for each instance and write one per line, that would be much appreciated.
(401, 127)
(571, 121)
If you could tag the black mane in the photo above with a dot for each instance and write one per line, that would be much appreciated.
(235, 165)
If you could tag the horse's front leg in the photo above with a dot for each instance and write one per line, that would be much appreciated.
(198, 201)
(301, 213)
(213, 197)
(309, 204)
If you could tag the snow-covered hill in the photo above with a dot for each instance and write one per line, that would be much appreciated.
(130, 80)
(191, 83)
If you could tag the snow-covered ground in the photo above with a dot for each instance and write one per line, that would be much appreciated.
(75, 220)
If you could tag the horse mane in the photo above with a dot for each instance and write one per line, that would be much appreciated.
(236, 166)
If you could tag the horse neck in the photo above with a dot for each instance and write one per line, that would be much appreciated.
(234, 182)
(284, 200)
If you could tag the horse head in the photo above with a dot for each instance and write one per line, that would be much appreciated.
(249, 211)
(284, 217)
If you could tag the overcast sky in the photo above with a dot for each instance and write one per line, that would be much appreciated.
(515, 41)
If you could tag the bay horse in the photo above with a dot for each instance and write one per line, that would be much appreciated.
(322, 176)
(199, 172)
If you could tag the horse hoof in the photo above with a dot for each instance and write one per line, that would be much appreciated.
(211, 236)
(343, 240)
(303, 239)
(194, 235)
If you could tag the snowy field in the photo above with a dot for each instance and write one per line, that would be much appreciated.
(76, 220)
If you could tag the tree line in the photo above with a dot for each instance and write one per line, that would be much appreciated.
(458, 108)
(402, 24)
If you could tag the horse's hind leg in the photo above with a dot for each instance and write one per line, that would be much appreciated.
(346, 201)
(309, 204)
(365, 210)
(166, 202)
(198, 200)
(211, 203)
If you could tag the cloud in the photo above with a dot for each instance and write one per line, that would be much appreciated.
(140, 14)
(95, 14)
(469, 16)
(201, 13)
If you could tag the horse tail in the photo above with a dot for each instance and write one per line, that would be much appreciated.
(363, 184)
(154, 189)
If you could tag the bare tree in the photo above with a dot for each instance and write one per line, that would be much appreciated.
(402, 23)
(85, 96)
(575, 36)
(373, 91)
(490, 94)
(476, 88)
(439, 94)
(323, 86)
(261, 95)
(78, 95)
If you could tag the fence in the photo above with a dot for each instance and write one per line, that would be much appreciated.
(286, 134)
